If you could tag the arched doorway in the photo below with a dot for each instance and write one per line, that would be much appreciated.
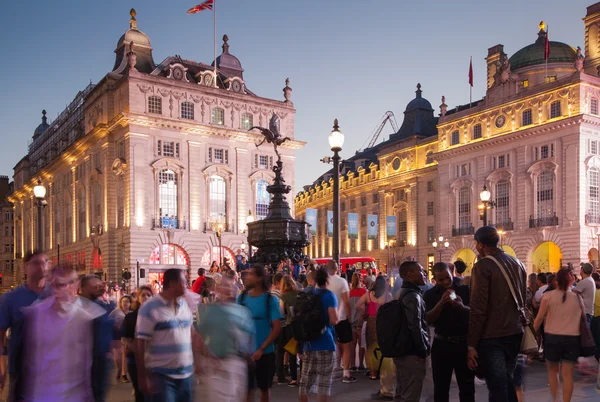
(467, 256)
(509, 250)
(593, 256)
(214, 254)
(547, 257)
(164, 257)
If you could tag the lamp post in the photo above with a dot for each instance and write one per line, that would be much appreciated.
(440, 245)
(389, 246)
(219, 236)
(39, 192)
(336, 141)
(485, 196)
(249, 219)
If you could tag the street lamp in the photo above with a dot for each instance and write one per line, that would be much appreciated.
(440, 245)
(39, 192)
(243, 247)
(249, 219)
(336, 141)
(389, 246)
(219, 236)
(485, 196)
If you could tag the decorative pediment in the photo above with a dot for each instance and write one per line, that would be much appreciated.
(462, 182)
(168, 163)
(541, 166)
(178, 72)
(265, 175)
(592, 161)
(236, 84)
(218, 169)
(499, 175)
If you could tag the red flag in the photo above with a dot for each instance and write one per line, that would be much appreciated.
(546, 46)
(471, 72)
(207, 5)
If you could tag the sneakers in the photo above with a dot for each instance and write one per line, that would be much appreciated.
(348, 380)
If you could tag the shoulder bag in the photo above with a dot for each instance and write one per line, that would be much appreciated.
(587, 345)
(528, 342)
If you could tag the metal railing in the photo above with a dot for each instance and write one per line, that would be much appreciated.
(541, 222)
(214, 226)
(464, 231)
(508, 225)
(168, 222)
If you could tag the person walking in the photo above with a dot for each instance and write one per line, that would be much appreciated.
(561, 311)
(412, 365)
(447, 311)
(128, 339)
(118, 315)
(596, 319)
(199, 282)
(288, 296)
(11, 318)
(225, 372)
(496, 321)
(163, 350)
(343, 329)
(357, 317)
(265, 312)
(319, 354)
(586, 288)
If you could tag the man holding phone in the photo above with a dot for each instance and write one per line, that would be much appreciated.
(447, 311)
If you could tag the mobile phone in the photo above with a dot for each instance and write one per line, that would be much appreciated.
(453, 296)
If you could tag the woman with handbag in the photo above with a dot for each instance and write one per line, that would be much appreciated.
(560, 312)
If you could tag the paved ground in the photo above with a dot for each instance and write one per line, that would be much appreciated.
(536, 388)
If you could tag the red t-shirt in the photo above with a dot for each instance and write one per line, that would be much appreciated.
(197, 285)
(358, 292)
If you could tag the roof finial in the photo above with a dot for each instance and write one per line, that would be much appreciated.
(225, 44)
(287, 91)
(418, 91)
(542, 26)
(132, 21)
(44, 118)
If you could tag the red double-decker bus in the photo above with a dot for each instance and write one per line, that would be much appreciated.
(361, 264)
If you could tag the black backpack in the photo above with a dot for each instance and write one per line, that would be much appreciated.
(389, 322)
(309, 321)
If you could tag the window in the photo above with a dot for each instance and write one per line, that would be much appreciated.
(455, 139)
(69, 221)
(550, 78)
(363, 220)
(57, 213)
(429, 186)
(262, 199)
(463, 170)
(545, 194)
(168, 254)
(594, 147)
(352, 204)
(155, 105)
(430, 234)
(363, 200)
(502, 202)
(501, 161)
(218, 155)
(97, 201)
(464, 208)
(594, 106)
(218, 116)
(81, 211)
(594, 193)
(401, 195)
(167, 198)
(477, 131)
(525, 83)
(544, 151)
(120, 201)
(343, 206)
(218, 200)
(430, 208)
(555, 109)
(247, 121)
(526, 118)
(402, 226)
(263, 162)
(429, 159)
(187, 110)
(375, 198)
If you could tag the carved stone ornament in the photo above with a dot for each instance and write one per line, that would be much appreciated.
(287, 91)
(579, 60)
(118, 167)
(178, 72)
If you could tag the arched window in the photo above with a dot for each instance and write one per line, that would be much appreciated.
(402, 227)
(594, 195)
(68, 220)
(120, 201)
(218, 116)
(155, 104)
(545, 195)
(218, 200)
(97, 201)
(167, 198)
(81, 212)
(247, 121)
(262, 199)
(187, 110)
(502, 203)
(168, 254)
(464, 208)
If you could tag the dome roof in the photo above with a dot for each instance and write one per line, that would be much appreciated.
(42, 127)
(419, 102)
(227, 62)
(134, 35)
(534, 54)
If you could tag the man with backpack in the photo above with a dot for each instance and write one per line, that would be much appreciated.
(266, 314)
(319, 351)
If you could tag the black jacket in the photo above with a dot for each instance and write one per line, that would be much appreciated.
(415, 332)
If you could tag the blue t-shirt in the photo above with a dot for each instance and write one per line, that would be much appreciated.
(11, 317)
(258, 310)
(326, 341)
(227, 329)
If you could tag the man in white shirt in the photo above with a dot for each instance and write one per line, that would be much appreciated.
(586, 287)
(542, 282)
(343, 329)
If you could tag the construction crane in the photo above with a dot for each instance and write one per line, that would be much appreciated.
(388, 116)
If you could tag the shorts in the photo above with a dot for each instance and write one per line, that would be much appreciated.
(317, 367)
(559, 348)
(260, 374)
(343, 332)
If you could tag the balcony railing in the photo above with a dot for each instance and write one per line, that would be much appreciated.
(593, 219)
(214, 227)
(509, 225)
(168, 222)
(464, 231)
(541, 222)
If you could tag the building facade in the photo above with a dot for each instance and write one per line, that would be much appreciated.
(7, 230)
(154, 167)
(533, 142)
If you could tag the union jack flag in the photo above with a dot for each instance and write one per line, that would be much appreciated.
(207, 5)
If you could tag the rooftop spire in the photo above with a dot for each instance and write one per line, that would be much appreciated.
(132, 21)
(418, 91)
(225, 44)
(44, 118)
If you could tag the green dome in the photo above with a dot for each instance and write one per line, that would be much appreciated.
(534, 54)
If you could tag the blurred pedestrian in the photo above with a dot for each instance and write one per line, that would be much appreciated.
(586, 288)
(596, 319)
(357, 317)
(118, 315)
(288, 296)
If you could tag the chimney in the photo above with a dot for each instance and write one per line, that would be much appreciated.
(493, 61)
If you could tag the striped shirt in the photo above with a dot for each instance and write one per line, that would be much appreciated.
(168, 333)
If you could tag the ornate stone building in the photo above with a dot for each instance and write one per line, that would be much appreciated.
(7, 246)
(152, 167)
(533, 141)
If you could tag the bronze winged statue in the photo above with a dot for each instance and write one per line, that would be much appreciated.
(271, 134)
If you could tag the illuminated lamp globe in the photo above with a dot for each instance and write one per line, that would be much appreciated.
(249, 218)
(446, 244)
(39, 191)
(336, 138)
(485, 195)
(434, 244)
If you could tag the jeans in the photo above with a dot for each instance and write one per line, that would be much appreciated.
(133, 375)
(171, 389)
(410, 373)
(499, 359)
(447, 357)
(596, 332)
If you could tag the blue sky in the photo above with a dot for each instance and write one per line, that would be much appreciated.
(346, 59)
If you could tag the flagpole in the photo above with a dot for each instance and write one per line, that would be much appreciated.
(546, 55)
(215, 37)
(471, 82)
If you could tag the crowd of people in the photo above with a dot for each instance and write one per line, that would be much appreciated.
(237, 331)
